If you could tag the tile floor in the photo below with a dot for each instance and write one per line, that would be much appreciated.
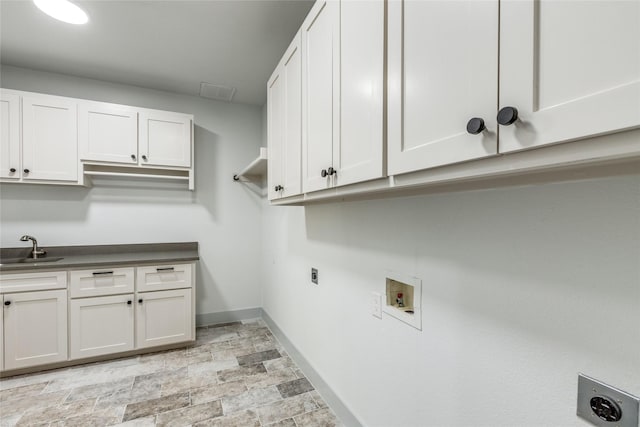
(236, 374)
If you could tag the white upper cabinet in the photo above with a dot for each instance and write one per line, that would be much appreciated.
(275, 132)
(108, 132)
(165, 139)
(342, 93)
(320, 93)
(284, 105)
(570, 68)
(9, 136)
(441, 77)
(50, 138)
(359, 155)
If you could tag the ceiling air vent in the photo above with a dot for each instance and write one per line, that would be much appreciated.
(217, 92)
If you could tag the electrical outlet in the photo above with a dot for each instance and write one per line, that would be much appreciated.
(376, 304)
(604, 405)
(314, 275)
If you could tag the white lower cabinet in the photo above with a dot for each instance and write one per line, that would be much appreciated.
(109, 312)
(35, 328)
(101, 325)
(163, 317)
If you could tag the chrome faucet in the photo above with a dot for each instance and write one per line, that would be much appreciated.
(36, 252)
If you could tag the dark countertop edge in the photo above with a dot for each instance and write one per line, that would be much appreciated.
(100, 249)
(77, 257)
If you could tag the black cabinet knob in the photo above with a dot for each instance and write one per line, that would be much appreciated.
(144, 157)
(507, 116)
(133, 157)
(323, 173)
(12, 170)
(7, 303)
(278, 188)
(140, 301)
(475, 126)
(332, 171)
(129, 302)
(26, 171)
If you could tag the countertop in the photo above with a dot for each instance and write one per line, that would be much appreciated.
(99, 256)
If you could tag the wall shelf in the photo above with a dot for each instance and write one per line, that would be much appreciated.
(256, 171)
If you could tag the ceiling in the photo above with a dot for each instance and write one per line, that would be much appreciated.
(167, 45)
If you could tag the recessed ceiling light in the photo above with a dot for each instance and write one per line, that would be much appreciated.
(63, 10)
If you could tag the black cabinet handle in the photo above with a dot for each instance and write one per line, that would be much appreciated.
(129, 302)
(332, 171)
(165, 269)
(102, 273)
(140, 301)
(7, 303)
(133, 157)
(144, 157)
(26, 171)
(12, 170)
(323, 173)
(475, 126)
(507, 116)
(278, 188)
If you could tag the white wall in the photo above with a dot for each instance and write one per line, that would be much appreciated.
(522, 289)
(222, 215)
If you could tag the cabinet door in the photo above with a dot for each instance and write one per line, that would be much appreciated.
(275, 132)
(570, 68)
(284, 112)
(50, 138)
(165, 139)
(108, 132)
(440, 76)
(358, 156)
(292, 114)
(101, 325)
(320, 92)
(163, 317)
(9, 136)
(35, 328)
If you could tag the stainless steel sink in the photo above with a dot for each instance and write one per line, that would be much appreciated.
(7, 261)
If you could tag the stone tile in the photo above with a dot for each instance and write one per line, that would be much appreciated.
(139, 422)
(29, 379)
(159, 378)
(138, 393)
(54, 413)
(318, 399)
(178, 385)
(298, 373)
(279, 363)
(98, 390)
(215, 366)
(19, 406)
(215, 392)
(155, 406)
(319, 418)
(94, 419)
(9, 421)
(216, 335)
(247, 418)
(250, 399)
(241, 372)
(284, 423)
(291, 388)
(266, 345)
(287, 408)
(21, 391)
(221, 325)
(250, 359)
(270, 378)
(190, 414)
